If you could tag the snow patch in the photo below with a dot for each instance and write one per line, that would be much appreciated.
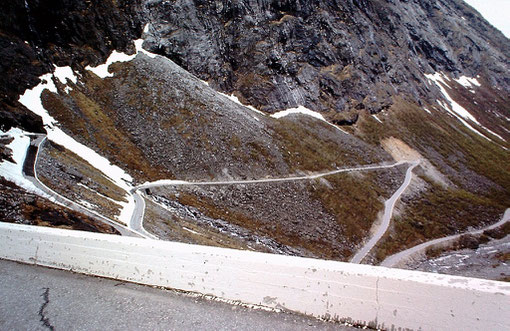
(468, 82)
(102, 69)
(377, 118)
(139, 49)
(65, 73)
(426, 109)
(437, 78)
(236, 100)
(494, 134)
(457, 110)
(305, 111)
(162, 182)
(32, 100)
(189, 230)
(299, 110)
(14, 171)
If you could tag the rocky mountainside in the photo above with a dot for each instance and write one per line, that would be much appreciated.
(128, 92)
(36, 35)
(330, 56)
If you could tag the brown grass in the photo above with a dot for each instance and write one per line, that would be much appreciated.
(441, 211)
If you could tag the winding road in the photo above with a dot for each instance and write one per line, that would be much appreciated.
(30, 173)
(169, 182)
(400, 258)
(137, 220)
(136, 228)
(389, 205)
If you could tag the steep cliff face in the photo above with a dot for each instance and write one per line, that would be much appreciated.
(330, 56)
(36, 35)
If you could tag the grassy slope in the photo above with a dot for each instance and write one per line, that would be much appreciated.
(478, 168)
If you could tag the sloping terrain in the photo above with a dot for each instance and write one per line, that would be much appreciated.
(337, 57)
(384, 82)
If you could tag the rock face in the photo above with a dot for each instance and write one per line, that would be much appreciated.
(330, 56)
(35, 35)
(336, 57)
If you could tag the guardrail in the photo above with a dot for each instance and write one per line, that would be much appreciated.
(366, 295)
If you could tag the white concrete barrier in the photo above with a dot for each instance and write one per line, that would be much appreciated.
(376, 296)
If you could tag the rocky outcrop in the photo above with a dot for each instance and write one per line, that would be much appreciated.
(330, 56)
(35, 35)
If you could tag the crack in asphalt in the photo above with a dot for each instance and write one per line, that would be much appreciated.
(45, 320)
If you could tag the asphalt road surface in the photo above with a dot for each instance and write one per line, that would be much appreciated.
(398, 259)
(37, 298)
(29, 172)
(389, 205)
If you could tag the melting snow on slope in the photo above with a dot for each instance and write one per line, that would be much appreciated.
(377, 118)
(65, 73)
(304, 111)
(102, 69)
(14, 171)
(299, 110)
(32, 100)
(468, 82)
(236, 100)
(139, 49)
(455, 109)
(162, 182)
(437, 78)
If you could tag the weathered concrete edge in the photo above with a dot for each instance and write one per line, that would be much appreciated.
(377, 296)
